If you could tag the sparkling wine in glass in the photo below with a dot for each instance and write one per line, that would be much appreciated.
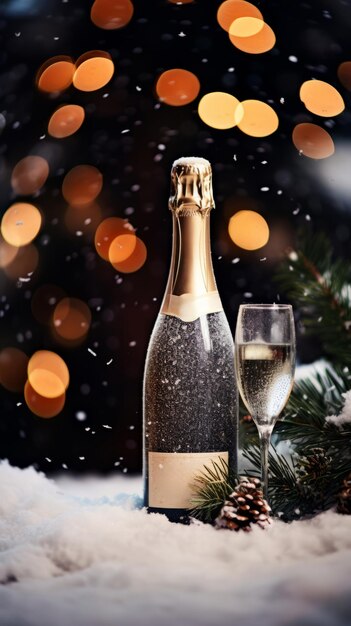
(265, 366)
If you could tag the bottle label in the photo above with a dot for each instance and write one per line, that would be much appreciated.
(172, 474)
(189, 307)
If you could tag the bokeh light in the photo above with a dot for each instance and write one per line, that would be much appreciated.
(262, 42)
(56, 74)
(71, 319)
(108, 230)
(121, 248)
(83, 220)
(111, 14)
(41, 406)
(48, 374)
(313, 141)
(248, 230)
(233, 9)
(220, 110)
(321, 98)
(135, 261)
(93, 70)
(344, 74)
(82, 184)
(180, 1)
(177, 87)
(29, 175)
(7, 253)
(20, 224)
(258, 119)
(246, 26)
(66, 120)
(44, 300)
(24, 263)
(13, 368)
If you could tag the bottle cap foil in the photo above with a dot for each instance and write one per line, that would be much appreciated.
(191, 186)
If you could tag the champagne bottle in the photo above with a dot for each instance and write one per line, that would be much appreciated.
(190, 393)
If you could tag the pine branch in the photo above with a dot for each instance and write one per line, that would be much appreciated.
(321, 287)
(299, 486)
(284, 496)
(291, 495)
(304, 422)
(212, 487)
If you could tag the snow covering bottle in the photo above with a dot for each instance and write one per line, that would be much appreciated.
(190, 394)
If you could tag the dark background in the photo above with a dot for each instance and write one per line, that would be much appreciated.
(301, 192)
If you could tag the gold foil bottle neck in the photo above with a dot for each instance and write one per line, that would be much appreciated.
(191, 186)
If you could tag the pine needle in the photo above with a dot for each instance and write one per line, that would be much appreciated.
(211, 488)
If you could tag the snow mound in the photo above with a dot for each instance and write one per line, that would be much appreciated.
(66, 559)
(345, 416)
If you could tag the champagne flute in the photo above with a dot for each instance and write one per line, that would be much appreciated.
(265, 366)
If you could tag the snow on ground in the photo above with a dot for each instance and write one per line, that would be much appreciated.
(71, 555)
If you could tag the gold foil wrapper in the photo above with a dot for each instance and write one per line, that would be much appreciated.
(191, 290)
(191, 186)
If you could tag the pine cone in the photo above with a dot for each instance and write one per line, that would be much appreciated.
(244, 507)
(344, 498)
(314, 465)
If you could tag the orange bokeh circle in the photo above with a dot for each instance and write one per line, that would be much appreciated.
(258, 119)
(48, 374)
(262, 42)
(20, 224)
(111, 14)
(313, 141)
(29, 175)
(220, 110)
(234, 9)
(321, 98)
(107, 231)
(246, 27)
(94, 70)
(56, 74)
(121, 248)
(82, 184)
(71, 319)
(177, 87)
(42, 406)
(248, 230)
(135, 261)
(66, 120)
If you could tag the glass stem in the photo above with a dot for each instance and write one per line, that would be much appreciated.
(265, 439)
